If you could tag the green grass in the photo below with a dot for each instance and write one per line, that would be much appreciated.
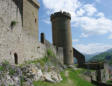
(50, 53)
(42, 61)
(109, 82)
(73, 79)
(5, 64)
(11, 71)
(1, 68)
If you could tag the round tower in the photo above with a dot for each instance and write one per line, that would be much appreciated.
(61, 33)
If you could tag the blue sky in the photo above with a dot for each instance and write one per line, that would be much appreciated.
(91, 22)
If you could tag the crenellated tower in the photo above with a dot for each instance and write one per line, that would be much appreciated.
(61, 33)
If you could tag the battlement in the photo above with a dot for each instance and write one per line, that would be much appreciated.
(60, 14)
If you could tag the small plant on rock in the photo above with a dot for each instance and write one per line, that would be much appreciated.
(1, 68)
(12, 71)
(13, 23)
(4, 65)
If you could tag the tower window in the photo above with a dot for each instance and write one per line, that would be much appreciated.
(16, 58)
(35, 20)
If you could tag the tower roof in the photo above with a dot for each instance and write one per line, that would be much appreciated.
(60, 14)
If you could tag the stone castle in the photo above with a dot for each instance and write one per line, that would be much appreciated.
(19, 34)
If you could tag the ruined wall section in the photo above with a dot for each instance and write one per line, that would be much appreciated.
(14, 39)
(58, 51)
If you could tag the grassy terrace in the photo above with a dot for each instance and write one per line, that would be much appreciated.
(70, 78)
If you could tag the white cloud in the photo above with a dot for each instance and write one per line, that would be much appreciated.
(83, 35)
(87, 9)
(90, 9)
(80, 12)
(75, 40)
(92, 48)
(95, 25)
(67, 5)
(47, 21)
(110, 37)
(85, 16)
(100, 14)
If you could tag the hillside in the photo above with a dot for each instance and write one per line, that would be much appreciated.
(105, 56)
(89, 56)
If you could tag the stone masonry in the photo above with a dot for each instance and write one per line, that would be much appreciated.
(19, 31)
(61, 29)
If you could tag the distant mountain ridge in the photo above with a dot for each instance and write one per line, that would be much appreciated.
(104, 56)
(88, 56)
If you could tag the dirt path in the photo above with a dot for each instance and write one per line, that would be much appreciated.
(69, 80)
(67, 74)
(85, 77)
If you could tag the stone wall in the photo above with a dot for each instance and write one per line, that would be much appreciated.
(18, 33)
(14, 39)
(9, 36)
(104, 74)
(30, 17)
(58, 51)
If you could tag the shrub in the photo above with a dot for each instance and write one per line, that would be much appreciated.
(50, 53)
(11, 71)
(1, 68)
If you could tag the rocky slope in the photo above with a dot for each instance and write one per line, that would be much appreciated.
(24, 75)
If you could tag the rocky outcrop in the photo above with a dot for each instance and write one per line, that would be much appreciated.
(25, 75)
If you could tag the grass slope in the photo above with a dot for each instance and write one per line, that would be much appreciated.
(70, 78)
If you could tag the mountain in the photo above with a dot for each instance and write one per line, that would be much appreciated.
(104, 56)
(89, 56)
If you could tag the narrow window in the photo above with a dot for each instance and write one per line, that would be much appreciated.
(16, 58)
(35, 20)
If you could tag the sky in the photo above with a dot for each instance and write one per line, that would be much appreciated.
(91, 22)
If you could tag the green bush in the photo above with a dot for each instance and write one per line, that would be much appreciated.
(5, 62)
(11, 71)
(4, 65)
(1, 68)
(50, 53)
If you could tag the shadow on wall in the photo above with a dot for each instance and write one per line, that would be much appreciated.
(19, 4)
